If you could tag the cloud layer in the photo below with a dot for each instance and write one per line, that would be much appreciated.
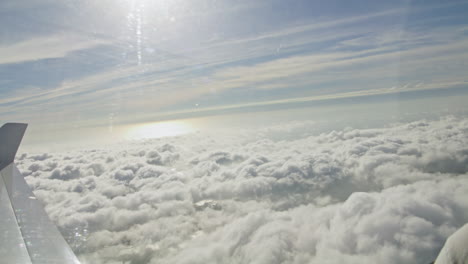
(387, 195)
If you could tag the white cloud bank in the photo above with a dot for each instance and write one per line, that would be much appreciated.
(389, 195)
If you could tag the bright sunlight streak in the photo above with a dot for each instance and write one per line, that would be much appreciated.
(159, 129)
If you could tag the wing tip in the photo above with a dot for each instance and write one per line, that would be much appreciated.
(11, 135)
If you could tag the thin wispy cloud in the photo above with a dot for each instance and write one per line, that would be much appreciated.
(52, 47)
(326, 56)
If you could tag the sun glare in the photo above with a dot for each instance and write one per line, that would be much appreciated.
(159, 129)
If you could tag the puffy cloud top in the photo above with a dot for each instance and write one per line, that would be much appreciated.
(387, 195)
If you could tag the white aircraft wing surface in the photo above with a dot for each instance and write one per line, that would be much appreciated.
(26, 233)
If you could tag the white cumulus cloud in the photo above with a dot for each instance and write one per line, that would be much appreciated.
(383, 195)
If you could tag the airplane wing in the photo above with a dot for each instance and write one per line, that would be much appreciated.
(455, 250)
(26, 233)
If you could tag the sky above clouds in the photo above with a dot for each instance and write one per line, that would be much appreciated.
(68, 64)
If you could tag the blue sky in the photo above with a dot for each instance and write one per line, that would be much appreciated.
(91, 63)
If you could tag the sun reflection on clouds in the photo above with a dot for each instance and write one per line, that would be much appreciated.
(159, 129)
